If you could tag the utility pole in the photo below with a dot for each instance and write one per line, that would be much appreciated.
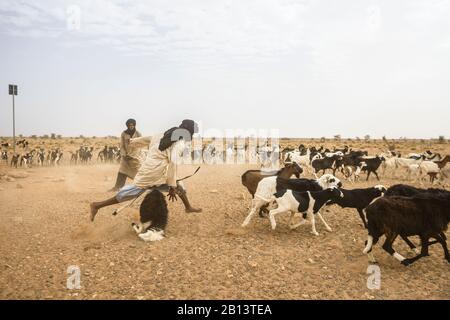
(13, 92)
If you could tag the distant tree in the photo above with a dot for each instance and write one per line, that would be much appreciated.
(45, 136)
(441, 139)
(33, 136)
(337, 137)
(59, 136)
(20, 135)
(322, 139)
(53, 136)
(358, 138)
(367, 137)
(81, 136)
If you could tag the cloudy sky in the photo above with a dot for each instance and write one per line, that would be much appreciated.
(306, 68)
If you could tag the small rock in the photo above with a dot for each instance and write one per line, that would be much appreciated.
(253, 264)
(213, 191)
(19, 186)
(310, 260)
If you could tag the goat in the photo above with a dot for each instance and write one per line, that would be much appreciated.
(267, 187)
(326, 163)
(343, 150)
(372, 165)
(425, 214)
(351, 173)
(153, 217)
(359, 199)
(308, 203)
(15, 160)
(409, 191)
(427, 167)
(251, 178)
(442, 163)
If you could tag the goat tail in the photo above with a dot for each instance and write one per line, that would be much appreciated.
(369, 244)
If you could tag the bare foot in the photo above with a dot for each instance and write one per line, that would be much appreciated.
(94, 210)
(192, 210)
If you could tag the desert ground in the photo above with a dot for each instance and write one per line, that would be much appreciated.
(45, 228)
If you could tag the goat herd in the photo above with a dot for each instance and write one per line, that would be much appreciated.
(400, 210)
(38, 156)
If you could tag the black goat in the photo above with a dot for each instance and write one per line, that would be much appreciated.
(153, 217)
(326, 163)
(409, 191)
(359, 199)
(372, 165)
(300, 185)
(425, 214)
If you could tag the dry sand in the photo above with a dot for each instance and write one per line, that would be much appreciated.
(45, 228)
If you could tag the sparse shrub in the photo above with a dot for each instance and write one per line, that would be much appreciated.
(322, 139)
(45, 136)
(441, 139)
(59, 136)
(53, 136)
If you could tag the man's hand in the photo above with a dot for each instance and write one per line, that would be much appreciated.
(172, 194)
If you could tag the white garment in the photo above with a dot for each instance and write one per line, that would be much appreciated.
(159, 167)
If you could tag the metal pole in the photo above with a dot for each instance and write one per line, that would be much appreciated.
(14, 126)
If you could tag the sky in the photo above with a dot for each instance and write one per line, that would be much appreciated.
(298, 67)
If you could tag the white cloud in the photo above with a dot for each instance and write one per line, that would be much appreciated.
(211, 29)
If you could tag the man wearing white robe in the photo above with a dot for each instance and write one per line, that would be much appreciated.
(158, 170)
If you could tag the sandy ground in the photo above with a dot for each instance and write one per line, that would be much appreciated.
(45, 228)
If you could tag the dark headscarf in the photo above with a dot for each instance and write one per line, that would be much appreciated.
(166, 141)
(128, 131)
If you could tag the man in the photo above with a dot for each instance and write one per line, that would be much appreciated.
(159, 169)
(129, 163)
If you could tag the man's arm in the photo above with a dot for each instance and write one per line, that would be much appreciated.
(123, 145)
(141, 141)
